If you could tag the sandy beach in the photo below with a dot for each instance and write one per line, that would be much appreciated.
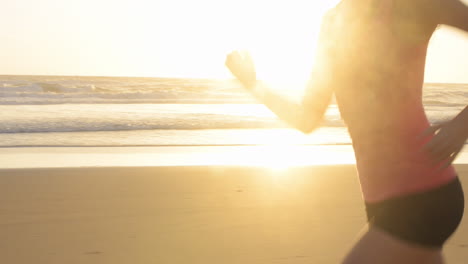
(204, 214)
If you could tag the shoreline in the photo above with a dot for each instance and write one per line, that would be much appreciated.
(263, 156)
(277, 156)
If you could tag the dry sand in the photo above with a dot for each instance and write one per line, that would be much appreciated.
(185, 215)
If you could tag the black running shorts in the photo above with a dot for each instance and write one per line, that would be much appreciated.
(427, 218)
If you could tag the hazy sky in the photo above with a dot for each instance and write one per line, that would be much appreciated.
(178, 38)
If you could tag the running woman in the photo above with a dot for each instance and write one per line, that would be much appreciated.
(371, 56)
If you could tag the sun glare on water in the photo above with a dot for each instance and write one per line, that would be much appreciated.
(281, 158)
(279, 148)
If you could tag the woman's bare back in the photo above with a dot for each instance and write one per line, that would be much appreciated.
(377, 64)
(376, 57)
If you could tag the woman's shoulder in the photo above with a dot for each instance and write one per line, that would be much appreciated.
(415, 20)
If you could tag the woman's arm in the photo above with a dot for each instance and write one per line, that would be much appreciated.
(305, 115)
(449, 139)
(453, 13)
(462, 121)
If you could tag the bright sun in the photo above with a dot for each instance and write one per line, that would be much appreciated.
(280, 35)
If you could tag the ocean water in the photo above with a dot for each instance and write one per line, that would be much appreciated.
(48, 111)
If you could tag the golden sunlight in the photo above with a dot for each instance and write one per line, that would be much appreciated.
(279, 158)
(280, 148)
(281, 35)
(281, 38)
(193, 38)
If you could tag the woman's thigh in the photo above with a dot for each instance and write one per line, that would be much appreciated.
(378, 247)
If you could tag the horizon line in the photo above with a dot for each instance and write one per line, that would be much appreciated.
(156, 77)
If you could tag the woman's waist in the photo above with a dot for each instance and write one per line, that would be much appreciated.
(392, 150)
(383, 177)
(374, 124)
(390, 142)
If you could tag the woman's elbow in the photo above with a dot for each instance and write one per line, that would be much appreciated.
(310, 120)
(307, 127)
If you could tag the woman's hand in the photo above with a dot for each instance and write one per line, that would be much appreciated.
(240, 63)
(448, 140)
